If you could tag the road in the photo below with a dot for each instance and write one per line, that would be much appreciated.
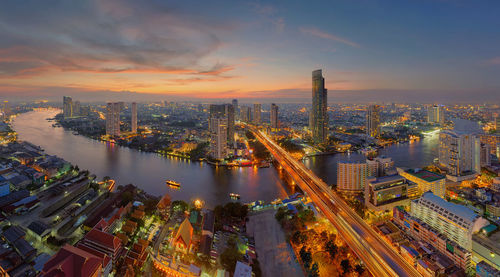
(379, 257)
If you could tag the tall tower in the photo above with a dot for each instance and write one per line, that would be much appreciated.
(67, 107)
(6, 109)
(435, 114)
(134, 118)
(373, 121)
(236, 109)
(223, 111)
(257, 108)
(319, 115)
(218, 137)
(274, 116)
(77, 108)
(113, 118)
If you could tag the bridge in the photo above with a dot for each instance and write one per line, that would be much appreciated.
(379, 257)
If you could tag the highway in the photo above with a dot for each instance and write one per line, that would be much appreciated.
(379, 257)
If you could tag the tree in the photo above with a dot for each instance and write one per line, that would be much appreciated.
(256, 268)
(305, 256)
(314, 272)
(346, 266)
(359, 268)
(229, 257)
(331, 248)
(299, 237)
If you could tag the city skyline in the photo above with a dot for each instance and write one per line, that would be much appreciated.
(369, 52)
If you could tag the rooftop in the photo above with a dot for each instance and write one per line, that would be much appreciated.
(459, 210)
(425, 175)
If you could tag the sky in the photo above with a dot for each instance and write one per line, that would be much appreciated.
(369, 50)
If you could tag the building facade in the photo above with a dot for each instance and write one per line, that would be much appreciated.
(456, 152)
(319, 115)
(274, 117)
(435, 114)
(218, 138)
(113, 118)
(67, 107)
(352, 176)
(257, 110)
(133, 122)
(384, 193)
(456, 222)
(246, 114)
(373, 121)
(426, 181)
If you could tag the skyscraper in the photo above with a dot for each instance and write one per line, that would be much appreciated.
(257, 109)
(6, 109)
(218, 137)
(220, 111)
(373, 121)
(245, 114)
(67, 107)
(435, 114)
(319, 115)
(236, 109)
(134, 118)
(456, 151)
(352, 176)
(113, 118)
(274, 116)
(76, 108)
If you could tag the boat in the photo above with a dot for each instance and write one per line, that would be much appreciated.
(172, 184)
(234, 195)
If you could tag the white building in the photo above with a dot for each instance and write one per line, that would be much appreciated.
(435, 114)
(352, 176)
(425, 180)
(456, 152)
(456, 222)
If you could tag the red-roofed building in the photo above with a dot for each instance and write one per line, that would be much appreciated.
(72, 261)
(182, 239)
(103, 242)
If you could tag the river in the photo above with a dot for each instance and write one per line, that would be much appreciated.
(149, 171)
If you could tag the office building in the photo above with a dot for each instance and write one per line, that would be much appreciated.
(6, 109)
(245, 114)
(77, 108)
(352, 176)
(482, 156)
(384, 193)
(67, 107)
(133, 124)
(318, 121)
(236, 109)
(113, 118)
(497, 124)
(435, 114)
(380, 166)
(223, 111)
(218, 138)
(257, 110)
(373, 121)
(425, 180)
(456, 222)
(492, 140)
(456, 152)
(274, 117)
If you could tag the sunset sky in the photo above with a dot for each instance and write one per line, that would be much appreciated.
(374, 50)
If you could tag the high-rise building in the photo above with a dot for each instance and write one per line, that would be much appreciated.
(134, 118)
(218, 137)
(352, 176)
(274, 117)
(435, 114)
(113, 118)
(236, 109)
(491, 139)
(426, 181)
(384, 193)
(67, 107)
(373, 121)
(497, 124)
(456, 152)
(380, 166)
(77, 108)
(319, 116)
(6, 109)
(456, 222)
(257, 109)
(220, 111)
(246, 114)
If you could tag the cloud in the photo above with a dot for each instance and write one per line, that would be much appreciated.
(104, 36)
(493, 61)
(324, 35)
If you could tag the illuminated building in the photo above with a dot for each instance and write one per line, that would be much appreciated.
(67, 107)
(384, 193)
(77, 108)
(426, 181)
(380, 166)
(435, 114)
(134, 118)
(486, 247)
(218, 137)
(245, 114)
(257, 110)
(318, 121)
(113, 118)
(491, 140)
(72, 261)
(456, 222)
(236, 109)
(223, 111)
(183, 237)
(352, 176)
(274, 117)
(373, 121)
(456, 152)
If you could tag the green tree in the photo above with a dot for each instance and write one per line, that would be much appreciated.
(305, 256)
(314, 272)
(331, 248)
(359, 268)
(346, 266)
(229, 257)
